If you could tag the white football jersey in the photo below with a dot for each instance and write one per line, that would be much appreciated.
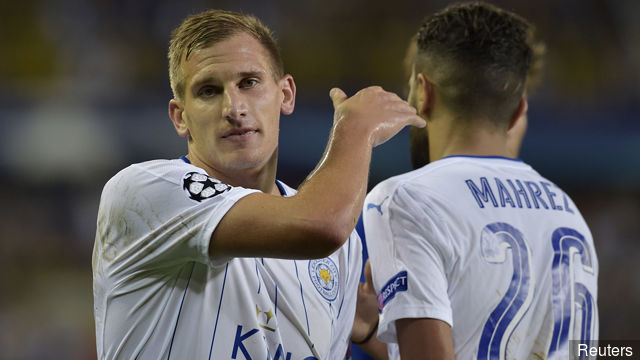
(158, 294)
(489, 246)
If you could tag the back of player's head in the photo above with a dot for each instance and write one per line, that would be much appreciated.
(210, 27)
(478, 57)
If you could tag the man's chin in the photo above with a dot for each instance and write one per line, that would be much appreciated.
(246, 161)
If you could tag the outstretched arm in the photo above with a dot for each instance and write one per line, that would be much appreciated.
(317, 220)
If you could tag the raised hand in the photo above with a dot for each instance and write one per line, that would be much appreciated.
(373, 112)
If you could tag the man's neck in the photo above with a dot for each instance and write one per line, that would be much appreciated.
(480, 140)
(262, 178)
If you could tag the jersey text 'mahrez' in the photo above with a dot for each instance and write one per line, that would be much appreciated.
(518, 193)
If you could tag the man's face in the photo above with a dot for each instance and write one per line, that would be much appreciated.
(232, 103)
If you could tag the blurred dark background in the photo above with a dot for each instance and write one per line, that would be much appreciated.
(84, 91)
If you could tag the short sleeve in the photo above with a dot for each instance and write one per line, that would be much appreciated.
(409, 250)
(152, 217)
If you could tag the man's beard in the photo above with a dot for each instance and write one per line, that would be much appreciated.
(419, 147)
(418, 139)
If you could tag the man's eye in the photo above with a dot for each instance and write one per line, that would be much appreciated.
(248, 83)
(208, 91)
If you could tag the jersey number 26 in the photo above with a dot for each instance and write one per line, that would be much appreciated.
(568, 296)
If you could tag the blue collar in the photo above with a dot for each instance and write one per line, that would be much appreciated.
(283, 192)
(481, 157)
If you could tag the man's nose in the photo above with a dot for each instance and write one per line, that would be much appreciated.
(234, 106)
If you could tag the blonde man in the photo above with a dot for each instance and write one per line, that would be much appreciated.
(209, 256)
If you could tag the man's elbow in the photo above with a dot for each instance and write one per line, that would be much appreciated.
(328, 237)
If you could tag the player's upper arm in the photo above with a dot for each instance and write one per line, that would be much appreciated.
(424, 338)
(263, 225)
(408, 245)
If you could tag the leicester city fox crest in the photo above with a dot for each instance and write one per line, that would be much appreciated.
(325, 277)
(200, 186)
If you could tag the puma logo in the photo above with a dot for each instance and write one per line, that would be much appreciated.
(377, 207)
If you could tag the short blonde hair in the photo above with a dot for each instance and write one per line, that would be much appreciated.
(208, 28)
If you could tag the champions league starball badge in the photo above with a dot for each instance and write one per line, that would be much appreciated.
(325, 277)
(200, 187)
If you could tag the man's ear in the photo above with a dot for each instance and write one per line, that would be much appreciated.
(517, 129)
(425, 95)
(176, 113)
(520, 112)
(288, 87)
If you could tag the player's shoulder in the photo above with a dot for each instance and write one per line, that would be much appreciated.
(469, 165)
(138, 174)
(165, 176)
(157, 183)
(395, 185)
(558, 191)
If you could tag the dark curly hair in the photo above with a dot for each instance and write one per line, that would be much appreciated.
(478, 56)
